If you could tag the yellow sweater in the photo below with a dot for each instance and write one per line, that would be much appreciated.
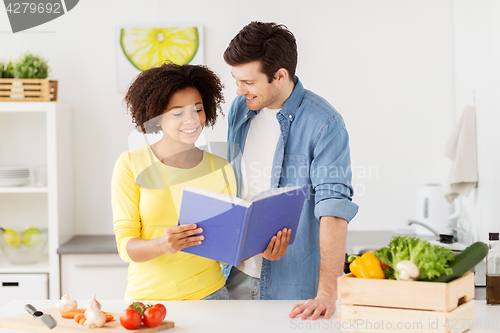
(146, 198)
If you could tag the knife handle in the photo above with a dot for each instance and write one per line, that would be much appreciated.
(31, 309)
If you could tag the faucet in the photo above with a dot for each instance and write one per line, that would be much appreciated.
(410, 222)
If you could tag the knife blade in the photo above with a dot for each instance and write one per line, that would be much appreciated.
(45, 318)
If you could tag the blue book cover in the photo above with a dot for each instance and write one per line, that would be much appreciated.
(236, 229)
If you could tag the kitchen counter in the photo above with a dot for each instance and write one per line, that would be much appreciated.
(374, 239)
(106, 244)
(84, 260)
(93, 244)
(240, 316)
(89, 244)
(370, 239)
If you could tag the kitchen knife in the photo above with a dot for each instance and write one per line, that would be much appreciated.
(45, 318)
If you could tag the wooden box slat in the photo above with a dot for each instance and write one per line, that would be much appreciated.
(363, 301)
(371, 319)
(435, 296)
(25, 90)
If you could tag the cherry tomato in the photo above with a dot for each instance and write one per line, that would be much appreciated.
(130, 319)
(138, 306)
(162, 308)
(152, 317)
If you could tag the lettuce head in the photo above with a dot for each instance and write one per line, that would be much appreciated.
(431, 260)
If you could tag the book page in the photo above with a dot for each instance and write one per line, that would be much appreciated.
(219, 196)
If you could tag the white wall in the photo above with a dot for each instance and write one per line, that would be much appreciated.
(477, 45)
(386, 65)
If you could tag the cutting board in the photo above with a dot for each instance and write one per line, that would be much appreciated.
(26, 322)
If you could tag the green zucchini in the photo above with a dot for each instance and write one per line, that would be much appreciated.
(465, 261)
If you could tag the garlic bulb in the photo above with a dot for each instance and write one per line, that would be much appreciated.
(66, 304)
(93, 302)
(94, 317)
(407, 270)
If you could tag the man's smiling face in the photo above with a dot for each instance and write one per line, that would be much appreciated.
(255, 86)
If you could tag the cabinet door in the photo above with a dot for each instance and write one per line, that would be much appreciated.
(84, 275)
(23, 286)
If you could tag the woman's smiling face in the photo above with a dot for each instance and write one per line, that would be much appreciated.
(184, 117)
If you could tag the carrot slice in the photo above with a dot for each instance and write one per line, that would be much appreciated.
(70, 314)
(109, 316)
(79, 316)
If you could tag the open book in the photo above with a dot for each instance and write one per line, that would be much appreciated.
(236, 229)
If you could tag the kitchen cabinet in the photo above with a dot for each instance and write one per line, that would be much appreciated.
(23, 286)
(90, 265)
(84, 275)
(34, 134)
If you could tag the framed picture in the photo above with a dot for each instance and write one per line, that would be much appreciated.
(140, 48)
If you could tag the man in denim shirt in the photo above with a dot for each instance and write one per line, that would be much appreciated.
(282, 135)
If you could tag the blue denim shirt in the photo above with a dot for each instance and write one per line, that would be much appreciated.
(313, 150)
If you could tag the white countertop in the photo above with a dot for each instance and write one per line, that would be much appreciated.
(241, 316)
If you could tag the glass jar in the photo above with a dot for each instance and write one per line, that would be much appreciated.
(493, 270)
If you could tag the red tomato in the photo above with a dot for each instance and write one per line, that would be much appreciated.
(162, 308)
(130, 319)
(152, 317)
(138, 306)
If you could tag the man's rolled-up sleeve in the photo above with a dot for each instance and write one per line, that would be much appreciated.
(331, 172)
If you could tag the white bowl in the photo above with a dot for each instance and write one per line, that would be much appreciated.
(8, 182)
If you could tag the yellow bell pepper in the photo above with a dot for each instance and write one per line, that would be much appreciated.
(367, 266)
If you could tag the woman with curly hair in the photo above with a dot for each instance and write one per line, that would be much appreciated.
(148, 182)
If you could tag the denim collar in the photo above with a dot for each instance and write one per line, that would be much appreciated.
(293, 101)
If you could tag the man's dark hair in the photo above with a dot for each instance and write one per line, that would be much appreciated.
(149, 94)
(270, 43)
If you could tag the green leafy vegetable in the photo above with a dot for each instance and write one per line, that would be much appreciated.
(8, 72)
(31, 66)
(431, 260)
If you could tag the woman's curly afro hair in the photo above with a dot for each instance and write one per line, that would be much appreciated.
(149, 94)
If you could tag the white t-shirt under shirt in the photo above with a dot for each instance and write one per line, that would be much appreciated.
(256, 167)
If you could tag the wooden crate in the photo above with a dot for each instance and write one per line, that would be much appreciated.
(372, 305)
(28, 90)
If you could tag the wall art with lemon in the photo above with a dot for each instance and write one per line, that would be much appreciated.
(140, 48)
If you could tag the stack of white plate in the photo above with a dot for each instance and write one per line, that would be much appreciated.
(14, 176)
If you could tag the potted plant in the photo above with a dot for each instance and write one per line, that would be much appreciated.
(25, 79)
(31, 66)
(6, 70)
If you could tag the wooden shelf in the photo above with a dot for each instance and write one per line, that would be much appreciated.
(27, 106)
(40, 267)
(53, 202)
